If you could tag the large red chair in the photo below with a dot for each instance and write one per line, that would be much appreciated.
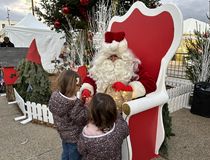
(154, 36)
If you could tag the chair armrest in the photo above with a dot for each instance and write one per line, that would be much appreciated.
(142, 104)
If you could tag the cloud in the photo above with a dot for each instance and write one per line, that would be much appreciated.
(192, 8)
(13, 15)
(17, 9)
(8, 2)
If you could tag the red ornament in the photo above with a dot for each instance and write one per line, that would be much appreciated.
(84, 2)
(65, 10)
(57, 24)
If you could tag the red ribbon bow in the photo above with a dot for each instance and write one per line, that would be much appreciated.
(111, 36)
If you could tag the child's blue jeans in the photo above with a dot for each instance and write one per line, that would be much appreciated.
(70, 152)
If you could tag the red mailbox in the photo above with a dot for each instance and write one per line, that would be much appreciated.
(10, 75)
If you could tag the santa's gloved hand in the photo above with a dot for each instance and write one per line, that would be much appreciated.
(86, 94)
(128, 88)
(118, 86)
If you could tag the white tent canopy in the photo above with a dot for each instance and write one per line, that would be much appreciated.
(192, 24)
(49, 42)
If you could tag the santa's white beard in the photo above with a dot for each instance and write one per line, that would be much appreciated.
(108, 72)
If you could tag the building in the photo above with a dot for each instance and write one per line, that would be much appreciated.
(4, 23)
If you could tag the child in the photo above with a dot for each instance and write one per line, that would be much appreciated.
(102, 137)
(69, 113)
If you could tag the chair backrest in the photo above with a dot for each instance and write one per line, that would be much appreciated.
(151, 34)
(154, 36)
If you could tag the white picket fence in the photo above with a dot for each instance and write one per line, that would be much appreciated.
(178, 98)
(177, 82)
(180, 93)
(32, 111)
(20, 102)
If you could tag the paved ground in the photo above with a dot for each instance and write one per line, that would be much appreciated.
(38, 142)
(192, 137)
(25, 142)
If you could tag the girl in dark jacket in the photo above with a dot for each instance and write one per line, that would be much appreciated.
(69, 113)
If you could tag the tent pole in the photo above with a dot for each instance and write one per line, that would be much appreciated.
(32, 6)
(209, 13)
(8, 16)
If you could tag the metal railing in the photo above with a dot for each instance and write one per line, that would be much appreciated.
(177, 66)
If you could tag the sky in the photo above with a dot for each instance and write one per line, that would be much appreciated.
(17, 9)
(197, 9)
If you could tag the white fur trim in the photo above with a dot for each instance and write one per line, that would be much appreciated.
(123, 46)
(115, 48)
(138, 89)
(109, 48)
(88, 87)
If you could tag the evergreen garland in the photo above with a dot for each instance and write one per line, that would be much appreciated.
(167, 122)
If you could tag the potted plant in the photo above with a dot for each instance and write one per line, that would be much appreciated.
(197, 70)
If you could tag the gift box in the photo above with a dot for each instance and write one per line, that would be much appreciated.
(119, 96)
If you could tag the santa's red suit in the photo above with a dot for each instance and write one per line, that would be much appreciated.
(123, 73)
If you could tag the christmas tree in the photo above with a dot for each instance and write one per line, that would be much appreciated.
(72, 18)
(64, 14)
(33, 84)
(124, 5)
(198, 59)
(76, 17)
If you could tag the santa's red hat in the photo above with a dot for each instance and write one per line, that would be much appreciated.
(114, 36)
(115, 41)
(33, 54)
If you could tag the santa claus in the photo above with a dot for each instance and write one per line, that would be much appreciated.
(115, 65)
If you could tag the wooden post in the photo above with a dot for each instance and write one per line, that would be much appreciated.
(10, 93)
(10, 77)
